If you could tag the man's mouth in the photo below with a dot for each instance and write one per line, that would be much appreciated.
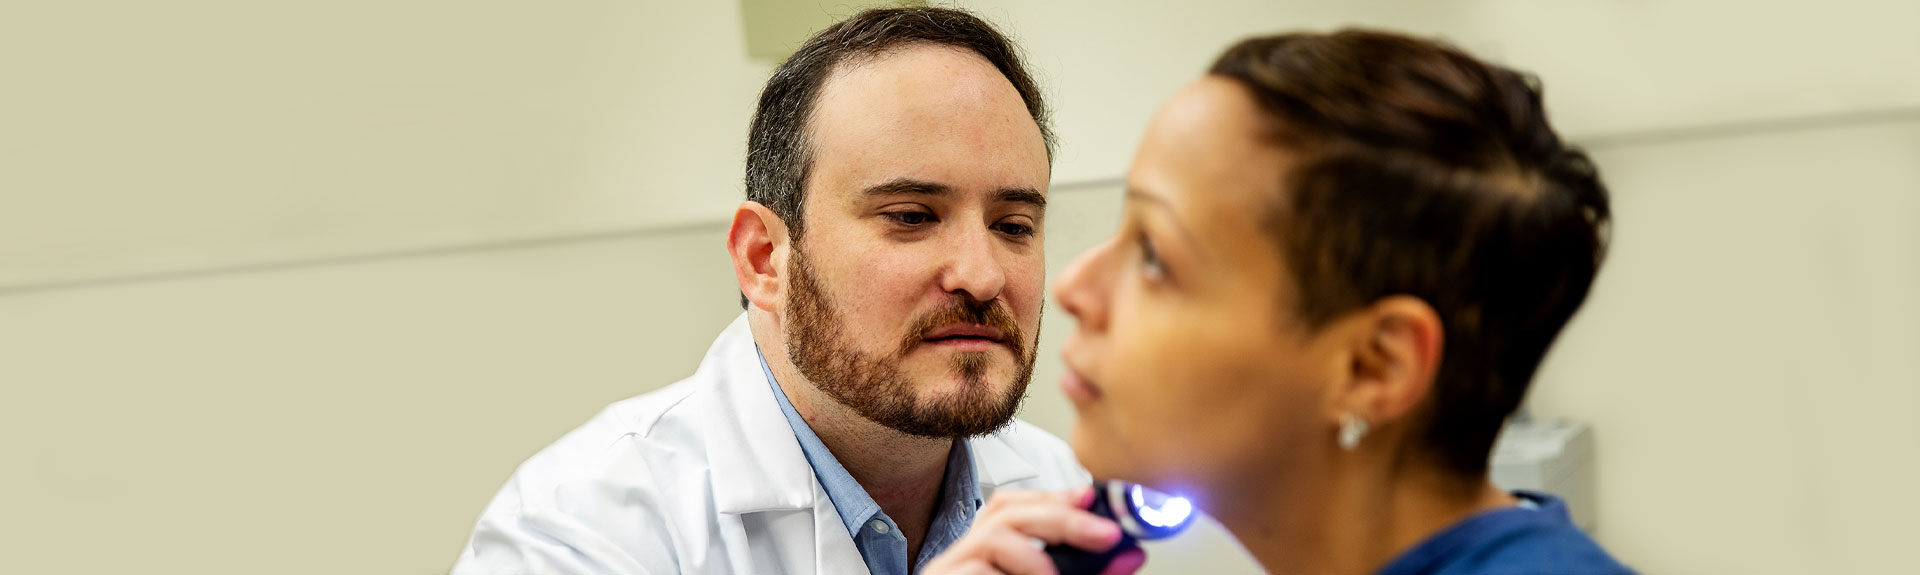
(965, 336)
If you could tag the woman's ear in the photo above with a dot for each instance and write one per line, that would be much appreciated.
(758, 243)
(1395, 357)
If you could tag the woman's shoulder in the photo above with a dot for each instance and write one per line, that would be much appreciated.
(1538, 538)
(1552, 550)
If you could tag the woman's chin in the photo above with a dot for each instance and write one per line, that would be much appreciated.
(1097, 452)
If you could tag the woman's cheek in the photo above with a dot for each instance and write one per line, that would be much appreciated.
(1027, 286)
(1157, 383)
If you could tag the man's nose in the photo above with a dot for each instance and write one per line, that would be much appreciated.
(974, 266)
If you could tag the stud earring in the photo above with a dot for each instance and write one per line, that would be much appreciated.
(1352, 428)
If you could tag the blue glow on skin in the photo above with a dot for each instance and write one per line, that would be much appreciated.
(1173, 511)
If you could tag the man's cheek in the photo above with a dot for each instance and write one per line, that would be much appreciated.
(1025, 287)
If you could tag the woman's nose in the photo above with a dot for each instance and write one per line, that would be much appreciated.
(1081, 288)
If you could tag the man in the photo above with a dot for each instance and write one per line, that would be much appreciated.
(889, 257)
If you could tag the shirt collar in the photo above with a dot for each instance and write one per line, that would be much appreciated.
(851, 500)
(1493, 525)
(959, 500)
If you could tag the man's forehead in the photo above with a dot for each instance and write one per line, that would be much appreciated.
(929, 113)
(918, 69)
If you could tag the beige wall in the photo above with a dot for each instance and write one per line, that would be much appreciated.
(292, 289)
(1750, 359)
(334, 419)
(151, 137)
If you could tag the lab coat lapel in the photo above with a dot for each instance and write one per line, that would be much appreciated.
(996, 463)
(834, 551)
(757, 462)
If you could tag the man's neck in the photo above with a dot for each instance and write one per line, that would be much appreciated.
(902, 473)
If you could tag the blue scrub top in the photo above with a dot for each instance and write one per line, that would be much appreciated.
(1536, 537)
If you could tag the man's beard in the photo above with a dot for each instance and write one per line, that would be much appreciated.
(876, 388)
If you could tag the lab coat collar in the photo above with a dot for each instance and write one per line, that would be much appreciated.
(756, 461)
(995, 463)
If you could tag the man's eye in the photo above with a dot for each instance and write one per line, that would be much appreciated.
(909, 219)
(1015, 230)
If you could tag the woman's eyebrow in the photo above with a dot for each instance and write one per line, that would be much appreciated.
(1136, 192)
(1149, 197)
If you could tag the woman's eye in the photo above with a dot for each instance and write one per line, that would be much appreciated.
(1150, 265)
(1013, 229)
(910, 219)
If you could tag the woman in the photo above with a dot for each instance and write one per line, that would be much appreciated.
(1341, 260)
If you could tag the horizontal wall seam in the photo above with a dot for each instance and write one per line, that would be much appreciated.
(1596, 142)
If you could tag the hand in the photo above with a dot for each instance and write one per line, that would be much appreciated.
(1002, 539)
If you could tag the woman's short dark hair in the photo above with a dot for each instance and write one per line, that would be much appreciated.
(778, 157)
(1422, 171)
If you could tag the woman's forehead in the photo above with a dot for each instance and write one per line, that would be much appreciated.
(1208, 156)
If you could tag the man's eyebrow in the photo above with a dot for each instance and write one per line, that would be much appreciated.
(1027, 196)
(912, 187)
(907, 187)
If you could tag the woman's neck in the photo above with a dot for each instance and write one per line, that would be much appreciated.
(1353, 519)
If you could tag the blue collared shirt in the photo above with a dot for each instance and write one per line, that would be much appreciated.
(1535, 537)
(879, 540)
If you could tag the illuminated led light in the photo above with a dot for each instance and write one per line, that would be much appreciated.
(1170, 512)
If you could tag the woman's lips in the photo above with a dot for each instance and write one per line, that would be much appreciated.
(1078, 389)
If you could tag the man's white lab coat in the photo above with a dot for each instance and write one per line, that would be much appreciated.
(703, 476)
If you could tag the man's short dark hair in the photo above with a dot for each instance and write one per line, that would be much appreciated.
(778, 157)
(1425, 172)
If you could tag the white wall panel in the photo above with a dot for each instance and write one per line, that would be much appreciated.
(141, 137)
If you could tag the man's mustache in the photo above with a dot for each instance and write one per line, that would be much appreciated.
(963, 310)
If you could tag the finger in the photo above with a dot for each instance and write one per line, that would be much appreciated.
(1015, 554)
(1127, 562)
(1056, 523)
(968, 568)
(1078, 496)
(1081, 497)
(966, 559)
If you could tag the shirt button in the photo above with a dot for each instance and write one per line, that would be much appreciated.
(880, 526)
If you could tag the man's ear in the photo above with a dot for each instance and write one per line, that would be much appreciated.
(1396, 355)
(758, 243)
